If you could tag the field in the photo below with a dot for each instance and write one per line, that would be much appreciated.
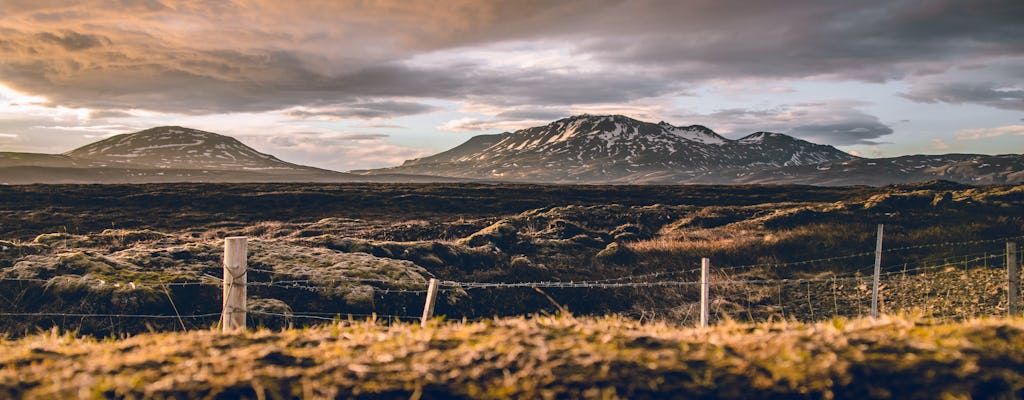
(98, 259)
(542, 357)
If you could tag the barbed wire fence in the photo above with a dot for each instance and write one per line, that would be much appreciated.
(960, 284)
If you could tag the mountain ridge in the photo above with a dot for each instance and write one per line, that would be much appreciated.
(595, 148)
(587, 149)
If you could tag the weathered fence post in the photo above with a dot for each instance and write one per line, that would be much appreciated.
(705, 309)
(1013, 276)
(878, 272)
(235, 269)
(428, 308)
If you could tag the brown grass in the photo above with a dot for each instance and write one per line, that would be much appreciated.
(541, 357)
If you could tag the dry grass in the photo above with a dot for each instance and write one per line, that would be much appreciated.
(542, 357)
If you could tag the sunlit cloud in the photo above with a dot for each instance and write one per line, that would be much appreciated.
(940, 144)
(988, 133)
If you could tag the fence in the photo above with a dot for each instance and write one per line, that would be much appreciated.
(974, 283)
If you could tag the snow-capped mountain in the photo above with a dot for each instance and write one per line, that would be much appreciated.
(615, 149)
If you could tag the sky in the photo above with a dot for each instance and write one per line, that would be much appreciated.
(350, 84)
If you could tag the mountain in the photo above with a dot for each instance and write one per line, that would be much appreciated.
(615, 149)
(169, 154)
(180, 148)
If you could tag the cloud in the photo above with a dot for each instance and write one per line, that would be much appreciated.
(73, 41)
(8, 136)
(533, 113)
(103, 114)
(233, 56)
(368, 110)
(836, 122)
(475, 124)
(854, 131)
(340, 151)
(940, 144)
(987, 133)
(992, 94)
(382, 126)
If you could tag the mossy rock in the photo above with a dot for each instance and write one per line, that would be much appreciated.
(562, 229)
(627, 233)
(791, 217)
(268, 313)
(626, 237)
(96, 269)
(942, 200)
(588, 241)
(332, 268)
(12, 250)
(917, 199)
(714, 217)
(126, 237)
(61, 239)
(360, 296)
(501, 233)
(615, 253)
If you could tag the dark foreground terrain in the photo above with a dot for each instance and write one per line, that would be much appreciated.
(102, 259)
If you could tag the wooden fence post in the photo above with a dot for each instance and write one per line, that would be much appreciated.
(705, 308)
(428, 308)
(878, 272)
(1013, 276)
(235, 269)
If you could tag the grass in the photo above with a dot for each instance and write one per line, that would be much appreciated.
(539, 357)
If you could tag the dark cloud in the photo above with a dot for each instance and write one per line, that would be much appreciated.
(291, 141)
(74, 41)
(382, 126)
(542, 114)
(872, 40)
(986, 93)
(368, 110)
(845, 133)
(837, 122)
(995, 84)
(109, 114)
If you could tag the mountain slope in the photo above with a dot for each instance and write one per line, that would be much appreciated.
(473, 145)
(615, 149)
